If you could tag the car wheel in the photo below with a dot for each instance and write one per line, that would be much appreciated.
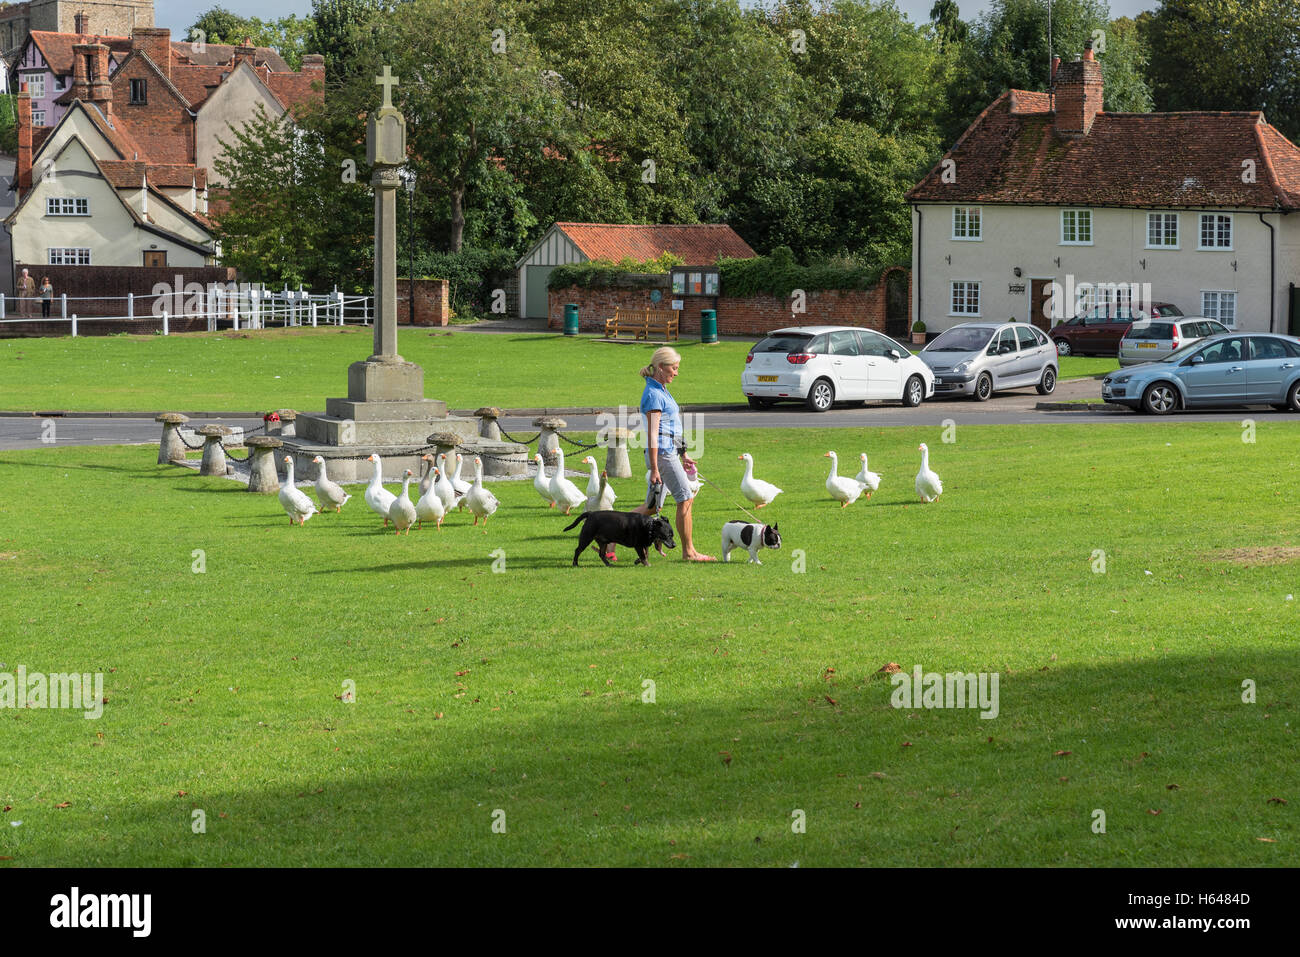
(913, 392)
(1293, 397)
(821, 396)
(756, 403)
(983, 387)
(1063, 348)
(1160, 398)
(1048, 383)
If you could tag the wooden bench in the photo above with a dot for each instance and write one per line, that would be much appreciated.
(642, 322)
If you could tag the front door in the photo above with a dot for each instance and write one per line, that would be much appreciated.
(1040, 303)
(155, 257)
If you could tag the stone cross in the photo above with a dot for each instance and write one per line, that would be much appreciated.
(386, 151)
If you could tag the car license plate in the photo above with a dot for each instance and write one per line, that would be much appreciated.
(767, 378)
(1146, 345)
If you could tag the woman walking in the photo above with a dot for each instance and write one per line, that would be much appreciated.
(47, 296)
(665, 454)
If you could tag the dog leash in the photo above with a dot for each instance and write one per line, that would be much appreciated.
(741, 507)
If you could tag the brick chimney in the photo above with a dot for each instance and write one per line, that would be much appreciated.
(101, 90)
(313, 63)
(1078, 96)
(23, 169)
(244, 53)
(81, 71)
(157, 43)
(1056, 65)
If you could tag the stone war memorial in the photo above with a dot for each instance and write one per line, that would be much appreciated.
(386, 410)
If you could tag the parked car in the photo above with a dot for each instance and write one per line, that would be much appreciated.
(1153, 339)
(980, 358)
(1227, 369)
(822, 365)
(1098, 332)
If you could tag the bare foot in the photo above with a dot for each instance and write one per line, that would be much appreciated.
(698, 557)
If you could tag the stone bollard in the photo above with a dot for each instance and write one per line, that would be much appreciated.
(214, 455)
(288, 418)
(616, 461)
(263, 476)
(548, 443)
(487, 423)
(446, 442)
(272, 422)
(171, 449)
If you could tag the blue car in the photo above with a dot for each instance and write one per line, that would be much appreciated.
(1233, 368)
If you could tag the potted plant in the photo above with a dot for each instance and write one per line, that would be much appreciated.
(918, 333)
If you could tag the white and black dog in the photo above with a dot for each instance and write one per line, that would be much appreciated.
(750, 535)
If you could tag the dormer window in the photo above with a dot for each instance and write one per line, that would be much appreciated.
(139, 92)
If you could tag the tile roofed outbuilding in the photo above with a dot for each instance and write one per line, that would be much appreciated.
(697, 244)
(1011, 154)
(56, 48)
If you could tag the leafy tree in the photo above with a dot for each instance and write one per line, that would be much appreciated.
(948, 25)
(1227, 55)
(342, 30)
(290, 36)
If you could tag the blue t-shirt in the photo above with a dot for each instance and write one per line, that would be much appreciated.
(655, 398)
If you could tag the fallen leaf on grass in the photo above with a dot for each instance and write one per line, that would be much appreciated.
(1171, 787)
(889, 669)
(907, 744)
(1267, 840)
(878, 774)
(857, 804)
(181, 794)
(681, 857)
(829, 699)
(63, 805)
(461, 674)
(1276, 801)
(726, 757)
(1153, 810)
(1061, 754)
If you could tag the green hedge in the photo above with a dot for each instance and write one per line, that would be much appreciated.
(471, 276)
(780, 273)
(601, 273)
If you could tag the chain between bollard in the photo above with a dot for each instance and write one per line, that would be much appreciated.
(510, 438)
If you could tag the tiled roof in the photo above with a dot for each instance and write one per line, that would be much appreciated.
(57, 48)
(117, 134)
(196, 82)
(1010, 154)
(217, 54)
(123, 174)
(699, 245)
(294, 89)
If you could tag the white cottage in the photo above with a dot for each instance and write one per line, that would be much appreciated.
(1046, 191)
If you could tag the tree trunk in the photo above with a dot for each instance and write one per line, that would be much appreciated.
(457, 216)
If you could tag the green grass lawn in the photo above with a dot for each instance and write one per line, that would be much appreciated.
(522, 691)
(300, 368)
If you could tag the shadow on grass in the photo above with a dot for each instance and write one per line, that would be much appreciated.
(712, 772)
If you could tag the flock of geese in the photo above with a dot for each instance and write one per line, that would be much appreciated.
(442, 490)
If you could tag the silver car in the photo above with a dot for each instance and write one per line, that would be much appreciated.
(1152, 339)
(1233, 369)
(980, 358)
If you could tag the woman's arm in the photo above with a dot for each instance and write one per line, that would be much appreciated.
(652, 437)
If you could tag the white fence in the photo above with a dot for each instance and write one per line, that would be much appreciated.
(242, 307)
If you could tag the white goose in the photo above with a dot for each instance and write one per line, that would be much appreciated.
(459, 484)
(600, 497)
(541, 482)
(567, 495)
(426, 480)
(297, 505)
(868, 479)
(842, 488)
(928, 485)
(430, 508)
(402, 512)
(329, 493)
(756, 490)
(480, 501)
(442, 485)
(378, 497)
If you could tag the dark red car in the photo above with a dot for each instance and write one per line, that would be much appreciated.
(1098, 333)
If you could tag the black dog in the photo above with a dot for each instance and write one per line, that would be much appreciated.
(622, 528)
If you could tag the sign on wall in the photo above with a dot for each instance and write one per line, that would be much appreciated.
(695, 281)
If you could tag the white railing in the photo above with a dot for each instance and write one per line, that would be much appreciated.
(246, 307)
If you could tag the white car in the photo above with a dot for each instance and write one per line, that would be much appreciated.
(822, 365)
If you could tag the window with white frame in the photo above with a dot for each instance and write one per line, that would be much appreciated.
(38, 117)
(1219, 304)
(1216, 231)
(35, 84)
(66, 206)
(1162, 230)
(69, 256)
(1076, 227)
(967, 223)
(965, 298)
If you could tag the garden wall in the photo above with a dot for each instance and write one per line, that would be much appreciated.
(737, 315)
(432, 302)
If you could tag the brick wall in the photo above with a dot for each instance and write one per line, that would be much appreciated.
(737, 315)
(432, 302)
(87, 284)
(163, 126)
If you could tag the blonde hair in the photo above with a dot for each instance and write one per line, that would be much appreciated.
(663, 356)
